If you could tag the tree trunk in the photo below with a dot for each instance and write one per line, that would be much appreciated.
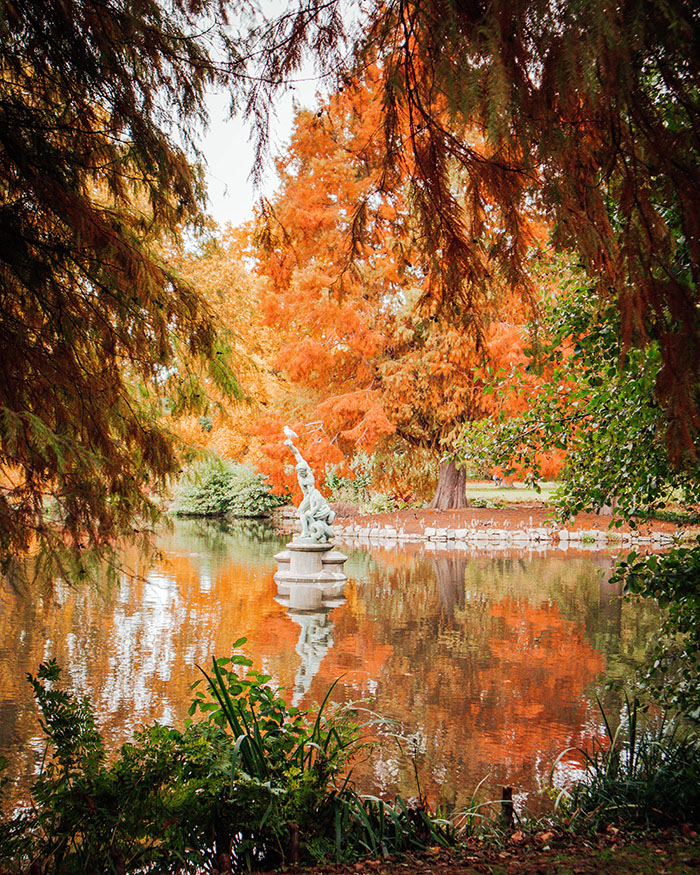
(451, 490)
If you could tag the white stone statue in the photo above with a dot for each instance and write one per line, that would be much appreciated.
(314, 511)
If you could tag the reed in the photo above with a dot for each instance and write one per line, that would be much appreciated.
(645, 772)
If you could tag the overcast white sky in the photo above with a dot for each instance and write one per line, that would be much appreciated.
(229, 152)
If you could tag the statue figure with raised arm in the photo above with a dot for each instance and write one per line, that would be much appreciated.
(314, 511)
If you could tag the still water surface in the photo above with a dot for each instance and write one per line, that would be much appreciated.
(494, 662)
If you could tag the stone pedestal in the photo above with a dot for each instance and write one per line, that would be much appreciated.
(309, 574)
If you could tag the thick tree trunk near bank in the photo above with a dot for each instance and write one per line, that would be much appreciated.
(451, 490)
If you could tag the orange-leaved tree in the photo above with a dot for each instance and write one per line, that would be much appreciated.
(373, 365)
(227, 425)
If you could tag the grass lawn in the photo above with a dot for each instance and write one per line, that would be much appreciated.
(487, 489)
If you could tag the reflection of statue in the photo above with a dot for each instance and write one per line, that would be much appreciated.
(314, 511)
(315, 640)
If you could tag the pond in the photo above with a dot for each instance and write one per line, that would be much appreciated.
(491, 662)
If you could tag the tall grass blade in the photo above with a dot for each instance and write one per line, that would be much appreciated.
(632, 733)
(611, 735)
(317, 723)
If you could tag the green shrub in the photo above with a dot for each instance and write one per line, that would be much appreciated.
(150, 808)
(252, 784)
(353, 488)
(377, 503)
(278, 747)
(481, 502)
(217, 488)
(671, 675)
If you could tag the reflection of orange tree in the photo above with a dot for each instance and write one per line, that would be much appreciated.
(611, 624)
(134, 650)
(487, 659)
(246, 606)
(357, 658)
(496, 684)
(546, 664)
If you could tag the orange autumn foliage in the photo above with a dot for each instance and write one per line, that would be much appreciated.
(221, 277)
(372, 367)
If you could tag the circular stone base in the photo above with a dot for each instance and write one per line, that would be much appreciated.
(308, 573)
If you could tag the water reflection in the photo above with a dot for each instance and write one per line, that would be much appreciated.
(493, 661)
(315, 640)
